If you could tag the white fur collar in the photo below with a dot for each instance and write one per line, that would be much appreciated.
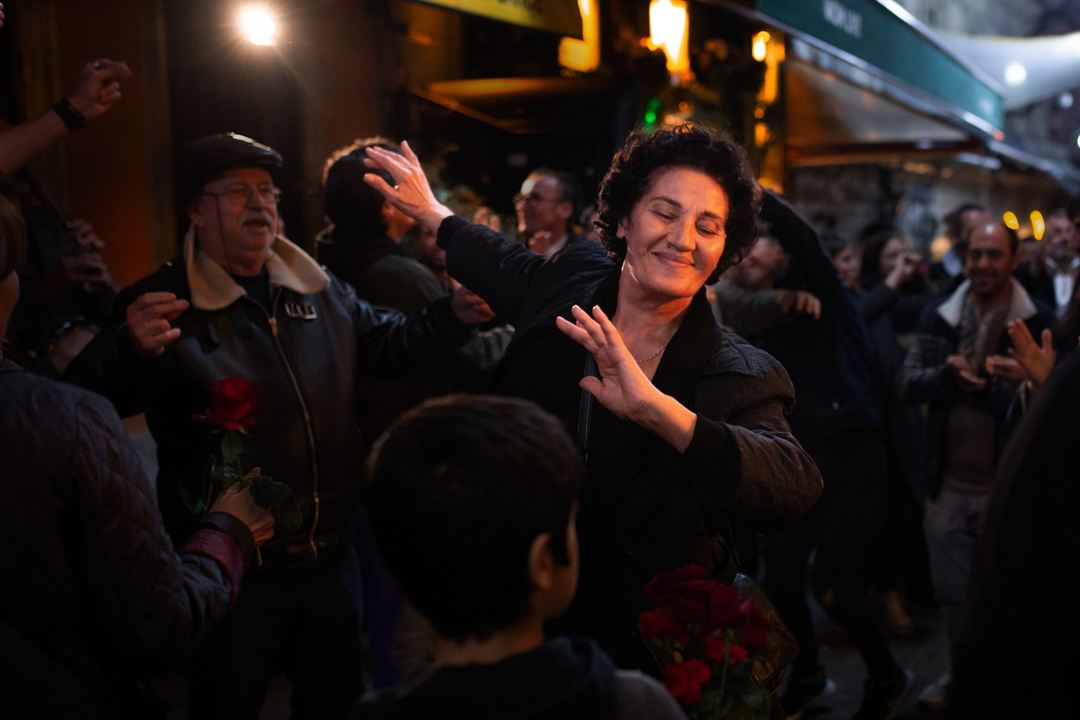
(1020, 307)
(213, 289)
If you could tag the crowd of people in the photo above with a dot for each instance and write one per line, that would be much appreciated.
(485, 445)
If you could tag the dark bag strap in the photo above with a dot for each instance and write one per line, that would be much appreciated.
(585, 405)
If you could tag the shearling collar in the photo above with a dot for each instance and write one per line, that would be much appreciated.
(213, 289)
(1020, 307)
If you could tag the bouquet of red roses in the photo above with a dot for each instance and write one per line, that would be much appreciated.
(705, 638)
(234, 404)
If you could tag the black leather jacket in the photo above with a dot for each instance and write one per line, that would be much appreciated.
(304, 357)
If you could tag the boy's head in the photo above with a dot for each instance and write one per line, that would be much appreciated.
(472, 505)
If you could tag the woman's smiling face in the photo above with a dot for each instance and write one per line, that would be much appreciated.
(675, 233)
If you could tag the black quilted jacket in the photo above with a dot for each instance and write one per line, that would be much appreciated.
(93, 592)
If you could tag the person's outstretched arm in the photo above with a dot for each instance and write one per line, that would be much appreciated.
(98, 90)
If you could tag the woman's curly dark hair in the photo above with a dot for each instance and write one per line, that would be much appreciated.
(636, 165)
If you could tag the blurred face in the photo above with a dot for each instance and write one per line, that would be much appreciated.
(990, 261)
(540, 207)
(890, 255)
(428, 251)
(236, 219)
(1061, 238)
(761, 266)
(847, 265)
(675, 234)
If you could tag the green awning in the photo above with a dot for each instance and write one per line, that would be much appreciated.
(558, 16)
(882, 37)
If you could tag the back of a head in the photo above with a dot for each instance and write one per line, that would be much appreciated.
(460, 487)
(347, 200)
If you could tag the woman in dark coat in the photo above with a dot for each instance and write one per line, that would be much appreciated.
(688, 423)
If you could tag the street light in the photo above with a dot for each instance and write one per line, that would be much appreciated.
(257, 25)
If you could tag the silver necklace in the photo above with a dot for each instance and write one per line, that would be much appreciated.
(651, 357)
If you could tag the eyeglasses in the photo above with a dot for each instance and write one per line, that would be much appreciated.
(533, 199)
(240, 195)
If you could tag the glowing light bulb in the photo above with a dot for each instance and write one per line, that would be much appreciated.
(258, 25)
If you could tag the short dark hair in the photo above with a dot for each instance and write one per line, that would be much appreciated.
(460, 487)
(12, 237)
(954, 220)
(348, 201)
(644, 155)
(835, 244)
(569, 187)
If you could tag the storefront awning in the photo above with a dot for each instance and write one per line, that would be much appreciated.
(900, 58)
(557, 16)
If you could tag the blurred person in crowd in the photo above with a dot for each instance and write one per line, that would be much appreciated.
(363, 246)
(243, 301)
(1053, 280)
(67, 290)
(95, 596)
(746, 299)
(472, 501)
(830, 357)
(959, 365)
(947, 273)
(846, 258)
(682, 423)
(1011, 662)
(891, 296)
(546, 207)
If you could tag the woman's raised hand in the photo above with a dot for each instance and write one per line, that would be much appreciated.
(411, 193)
(622, 387)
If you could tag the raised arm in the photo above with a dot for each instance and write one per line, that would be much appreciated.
(97, 91)
(494, 266)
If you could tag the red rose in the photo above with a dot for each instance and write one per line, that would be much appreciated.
(659, 623)
(662, 587)
(755, 629)
(723, 605)
(684, 680)
(716, 646)
(233, 405)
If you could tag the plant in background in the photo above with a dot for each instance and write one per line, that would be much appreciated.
(234, 405)
(706, 639)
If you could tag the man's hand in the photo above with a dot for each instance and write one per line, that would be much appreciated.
(799, 302)
(1036, 360)
(240, 504)
(148, 321)
(99, 87)
(469, 307)
(967, 378)
(1005, 370)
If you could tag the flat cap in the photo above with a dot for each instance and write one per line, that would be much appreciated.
(206, 158)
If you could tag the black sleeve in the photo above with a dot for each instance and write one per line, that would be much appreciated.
(494, 266)
(156, 604)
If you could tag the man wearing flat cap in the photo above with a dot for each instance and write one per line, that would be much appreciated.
(242, 300)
